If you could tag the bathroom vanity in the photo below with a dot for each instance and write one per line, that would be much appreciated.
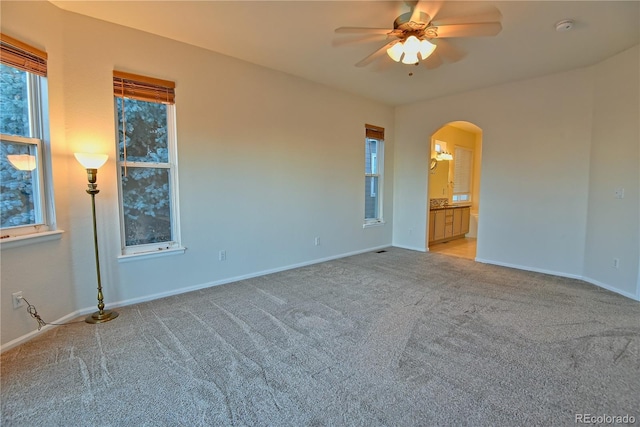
(448, 222)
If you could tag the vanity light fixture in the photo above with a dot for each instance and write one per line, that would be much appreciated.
(440, 148)
(445, 155)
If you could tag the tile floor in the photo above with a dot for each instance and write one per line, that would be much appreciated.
(461, 248)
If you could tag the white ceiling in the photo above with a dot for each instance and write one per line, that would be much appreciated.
(297, 37)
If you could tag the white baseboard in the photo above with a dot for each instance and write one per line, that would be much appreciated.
(411, 248)
(611, 288)
(561, 274)
(87, 310)
(54, 324)
(527, 268)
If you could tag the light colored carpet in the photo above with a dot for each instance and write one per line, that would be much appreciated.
(398, 338)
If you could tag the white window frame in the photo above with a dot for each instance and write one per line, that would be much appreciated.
(160, 248)
(378, 160)
(374, 166)
(45, 226)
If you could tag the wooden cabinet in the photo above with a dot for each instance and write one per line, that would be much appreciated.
(449, 223)
(437, 227)
(466, 216)
(457, 221)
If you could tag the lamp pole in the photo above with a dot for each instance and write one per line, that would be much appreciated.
(92, 164)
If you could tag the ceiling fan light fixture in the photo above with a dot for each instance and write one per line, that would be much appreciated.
(412, 45)
(395, 52)
(407, 50)
(410, 58)
(411, 50)
(426, 48)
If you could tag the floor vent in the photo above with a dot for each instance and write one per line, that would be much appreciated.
(381, 252)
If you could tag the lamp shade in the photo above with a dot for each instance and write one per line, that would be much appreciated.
(23, 162)
(91, 160)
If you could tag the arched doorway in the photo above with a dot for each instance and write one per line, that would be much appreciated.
(454, 189)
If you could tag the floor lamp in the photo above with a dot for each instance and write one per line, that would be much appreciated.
(91, 163)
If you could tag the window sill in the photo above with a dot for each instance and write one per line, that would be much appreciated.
(373, 224)
(30, 239)
(154, 254)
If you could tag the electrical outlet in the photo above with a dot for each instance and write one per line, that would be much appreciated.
(616, 263)
(222, 256)
(618, 193)
(317, 241)
(17, 299)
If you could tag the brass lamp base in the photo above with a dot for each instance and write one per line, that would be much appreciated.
(98, 317)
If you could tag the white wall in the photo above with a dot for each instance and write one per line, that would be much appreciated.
(267, 162)
(613, 228)
(534, 169)
(543, 191)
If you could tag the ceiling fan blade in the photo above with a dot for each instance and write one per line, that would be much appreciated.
(362, 30)
(431, 8)
(363, 38)
(415, 12)
(382, 66)
(375, 55)
(449, 51)
(488, 15)
(469, 30)
(433, 61)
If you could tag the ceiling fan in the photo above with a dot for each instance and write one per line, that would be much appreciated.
(420, 35)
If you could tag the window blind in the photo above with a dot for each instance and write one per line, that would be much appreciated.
(17, 54)
(142, 88)
(375, 132)
(462, 170)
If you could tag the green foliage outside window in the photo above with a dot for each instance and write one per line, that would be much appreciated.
(145, 186)
(14, 102)
(16, 186)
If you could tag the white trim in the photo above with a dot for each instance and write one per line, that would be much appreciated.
(30, 239)
(375, 223)
(611, 288)
(152, 250)
(242, 277)
(173, 178)
(151, 254)
(379, 173)
(526, 268)
(87, 310)
(138, 300)
(638, 287)
(36, 177)
(560, 274)
(411, 248)
(32, 334)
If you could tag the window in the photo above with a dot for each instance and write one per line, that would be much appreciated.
(373, 174)
(146, 138)
(26, 204)
(462, 168)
